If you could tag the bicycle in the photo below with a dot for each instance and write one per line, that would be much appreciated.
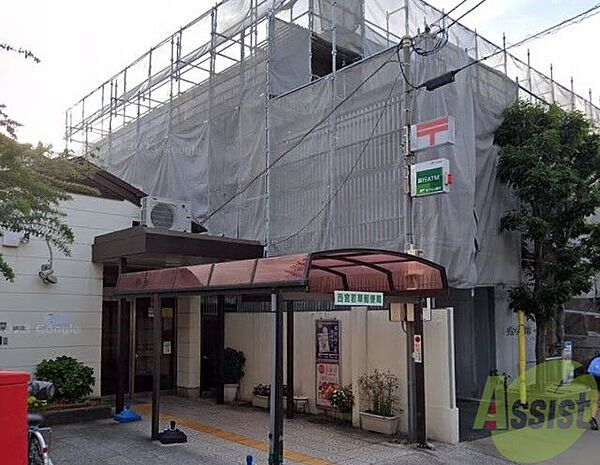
(37, 446)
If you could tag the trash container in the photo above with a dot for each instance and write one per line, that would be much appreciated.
(13, 417)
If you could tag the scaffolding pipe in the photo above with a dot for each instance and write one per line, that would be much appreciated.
(213, 27)
(332, 122)
(268, 91)
(552, 91)
(102, 108)
(529, 82)
(110, 108)
(125, 102)
(67, 130)
(177, 67)
(522, 359)
(149, 80)
(505, 54)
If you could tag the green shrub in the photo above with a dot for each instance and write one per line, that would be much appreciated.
(73, 380)
(234, 365)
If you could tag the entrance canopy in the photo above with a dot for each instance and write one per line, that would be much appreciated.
(393, 273)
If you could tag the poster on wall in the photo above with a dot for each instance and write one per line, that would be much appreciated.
(328, 346)
(328, 340)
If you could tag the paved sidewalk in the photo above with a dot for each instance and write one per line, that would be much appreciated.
(219, 435)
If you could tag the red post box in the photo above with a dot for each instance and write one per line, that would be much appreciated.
(13, 417)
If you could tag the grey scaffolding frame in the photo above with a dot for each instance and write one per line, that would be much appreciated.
(224, 40)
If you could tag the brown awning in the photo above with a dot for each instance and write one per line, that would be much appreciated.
(393, 273)
(156, 248)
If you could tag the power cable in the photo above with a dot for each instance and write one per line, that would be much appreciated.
(481, 2)
(404, 76)
(297, 144)
(445, 15)
(550, 30)
(327, 204)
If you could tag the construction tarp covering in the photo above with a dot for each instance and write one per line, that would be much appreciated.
(336, 177)
(308, 209)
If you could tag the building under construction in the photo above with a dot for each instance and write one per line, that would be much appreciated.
(282, 121)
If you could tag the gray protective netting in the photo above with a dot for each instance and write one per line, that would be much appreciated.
(207, 142)
(458, 229)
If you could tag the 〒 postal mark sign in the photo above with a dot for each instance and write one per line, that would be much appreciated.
(432, 133)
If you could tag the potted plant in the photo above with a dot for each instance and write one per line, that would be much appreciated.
(235, 361)
(261, 395)
(342, 399)
(380, 390)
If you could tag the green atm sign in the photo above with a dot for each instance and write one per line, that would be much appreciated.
(430, 181)
(354, 298)
(430, 177)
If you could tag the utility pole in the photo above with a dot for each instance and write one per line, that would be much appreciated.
(408, 155)
(414, 325)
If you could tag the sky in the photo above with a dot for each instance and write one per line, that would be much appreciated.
(82, 43)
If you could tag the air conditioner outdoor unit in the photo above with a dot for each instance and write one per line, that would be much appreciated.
(163, 213)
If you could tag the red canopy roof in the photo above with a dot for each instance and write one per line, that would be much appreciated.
(390, 272)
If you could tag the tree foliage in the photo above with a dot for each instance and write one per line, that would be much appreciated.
(551, 160)
(33, 183)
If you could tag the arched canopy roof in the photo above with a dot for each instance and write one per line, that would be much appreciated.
(393, 273)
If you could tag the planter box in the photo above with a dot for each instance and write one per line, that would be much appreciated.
(379, 424)
(265, 402)
(56, 415)
(261, 401)
(230, 392)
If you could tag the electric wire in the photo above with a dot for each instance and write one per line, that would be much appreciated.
(573, 20)
(297, 144)
(442, 40)
(441, 33)
(332, 197)
(481, 2)
(550, 30)
(402, 70)
(445, 15)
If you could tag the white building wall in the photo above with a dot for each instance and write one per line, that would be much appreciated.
(65, 318)
(385, 348)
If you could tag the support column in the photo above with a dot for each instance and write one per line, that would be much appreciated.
(221, 349)
(358, 337)
(157, 352)
(410, 377)
(188, 347)
(121, 343)
(276, 412)
(419, 362)
(290, 359)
